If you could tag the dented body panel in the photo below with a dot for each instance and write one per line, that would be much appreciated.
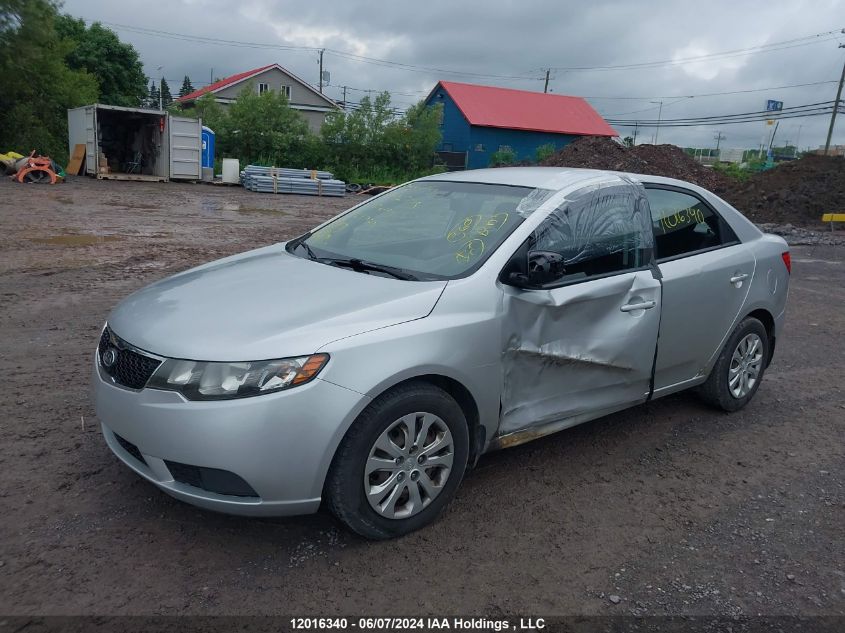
(570, 351)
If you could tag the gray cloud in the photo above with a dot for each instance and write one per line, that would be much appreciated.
(517, 40)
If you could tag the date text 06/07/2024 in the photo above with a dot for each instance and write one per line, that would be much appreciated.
(411, 624)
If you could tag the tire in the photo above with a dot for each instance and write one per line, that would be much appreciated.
(423, 406)
(718, 391)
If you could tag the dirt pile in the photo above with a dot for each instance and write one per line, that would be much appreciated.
(659, 160)
(797, 192)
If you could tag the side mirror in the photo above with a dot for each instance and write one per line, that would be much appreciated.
(544, 267)
(532, 269)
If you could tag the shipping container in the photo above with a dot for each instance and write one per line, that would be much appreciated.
(136, 143)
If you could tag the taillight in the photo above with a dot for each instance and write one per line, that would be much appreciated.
(787, 261)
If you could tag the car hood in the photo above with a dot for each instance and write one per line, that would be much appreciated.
(265, 304)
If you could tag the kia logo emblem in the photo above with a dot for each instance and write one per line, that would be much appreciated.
(110, 357)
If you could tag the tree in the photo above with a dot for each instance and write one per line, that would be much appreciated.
(372, 143)
(356, 141)
(187, 87)
(99, 51)
(212, 114)
(264, 128)
(414, 136)
(153, 96)
(38, 87)
(166, 97)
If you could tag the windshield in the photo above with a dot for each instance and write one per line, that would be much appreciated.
(426, 230)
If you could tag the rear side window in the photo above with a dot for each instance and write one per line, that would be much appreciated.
(684, 224)
(598, 231)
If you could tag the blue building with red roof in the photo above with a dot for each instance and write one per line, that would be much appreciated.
(478, 121)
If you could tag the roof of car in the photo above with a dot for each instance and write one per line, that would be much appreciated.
(554, 178)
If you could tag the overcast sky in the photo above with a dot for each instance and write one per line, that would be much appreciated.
(510, 43)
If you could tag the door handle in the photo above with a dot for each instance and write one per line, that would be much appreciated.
(737, 278)
(645, 305)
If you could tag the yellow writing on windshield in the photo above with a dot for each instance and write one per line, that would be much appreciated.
(470, 251)
(476, 225)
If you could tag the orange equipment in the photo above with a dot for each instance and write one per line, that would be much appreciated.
(36, 169)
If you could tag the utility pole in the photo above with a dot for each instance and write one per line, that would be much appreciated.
(798, 141)
(321, 70)
(344, 98)
(160, 86)
(835, 106)
(659, 112)
(772, 141)
(636, 128)
(546, 87)
(719, 138)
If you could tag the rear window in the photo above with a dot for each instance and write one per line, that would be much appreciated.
(685, 224)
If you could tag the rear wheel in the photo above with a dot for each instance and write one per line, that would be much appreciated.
(739, 369)
(400, 463)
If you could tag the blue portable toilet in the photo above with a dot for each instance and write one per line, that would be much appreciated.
(207, 153)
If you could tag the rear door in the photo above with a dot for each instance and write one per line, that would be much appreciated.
(91, 140)
(584, 346)
(707, 273)
(185, 136)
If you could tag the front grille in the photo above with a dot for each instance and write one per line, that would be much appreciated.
(215, 480)
(129, 368)
(130, 448)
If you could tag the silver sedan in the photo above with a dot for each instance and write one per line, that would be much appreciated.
(369, 363)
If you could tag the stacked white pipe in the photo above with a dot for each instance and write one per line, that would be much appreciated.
(307, 182)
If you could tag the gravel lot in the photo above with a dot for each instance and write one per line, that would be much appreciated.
(670, 508)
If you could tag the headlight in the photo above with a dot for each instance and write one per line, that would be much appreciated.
(197, 380)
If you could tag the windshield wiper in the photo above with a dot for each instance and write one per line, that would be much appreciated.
(360, 265)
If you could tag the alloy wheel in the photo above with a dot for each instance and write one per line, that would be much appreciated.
(746, 364)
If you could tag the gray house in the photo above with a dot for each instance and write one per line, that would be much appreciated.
(302, 96)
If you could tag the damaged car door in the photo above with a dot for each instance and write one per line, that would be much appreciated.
(581, 312)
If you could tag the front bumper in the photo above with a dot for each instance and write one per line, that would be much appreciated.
(280, 444)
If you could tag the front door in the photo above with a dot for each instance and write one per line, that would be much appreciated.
(585, 345)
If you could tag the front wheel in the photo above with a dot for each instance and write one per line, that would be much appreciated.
(400, 463)
(739, 369)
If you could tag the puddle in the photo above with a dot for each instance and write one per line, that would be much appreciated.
(76, 240)
(259, 210)
(213, 206)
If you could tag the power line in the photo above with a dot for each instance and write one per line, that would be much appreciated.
(792, 43)
(765, 114)
(343, 54)
(716, 94)
(805, 40)
(670, 123)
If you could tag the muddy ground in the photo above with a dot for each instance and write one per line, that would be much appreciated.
(670, 508)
